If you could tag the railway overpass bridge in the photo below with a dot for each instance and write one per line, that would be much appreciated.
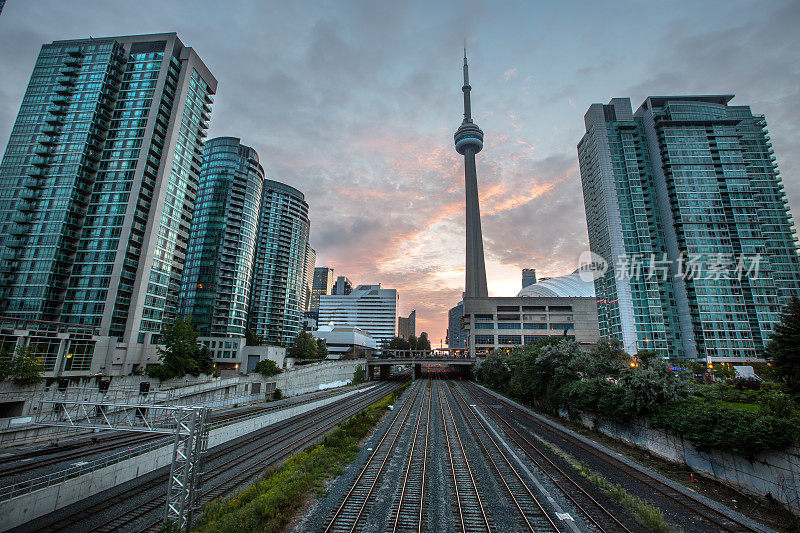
(454, 360)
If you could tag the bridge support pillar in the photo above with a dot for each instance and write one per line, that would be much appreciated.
(417, 370)
(371, 372)
(385, 371)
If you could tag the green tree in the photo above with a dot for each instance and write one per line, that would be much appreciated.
(179, 356)
(26, 368)
(422, 342)
(205, 363)
(304, 346)
(322, 349)
(494, 370)
(784, 346)
(267, 367)
(399, 343)
(654, 383)
(252, 338)
(412, 342)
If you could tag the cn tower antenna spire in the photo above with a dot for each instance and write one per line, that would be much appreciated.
(466, 89)
(469, 141)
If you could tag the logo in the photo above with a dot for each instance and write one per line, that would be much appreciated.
(591, 266)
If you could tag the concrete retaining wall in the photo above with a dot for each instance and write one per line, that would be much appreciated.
(318, 376)
(775, 472)
(26, 507)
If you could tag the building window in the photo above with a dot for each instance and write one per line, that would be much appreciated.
(532, 325)
(509, 339)
(484, 339)
(534, 308)
(512, 308)
(562, 325)
(529, 339)
(484, 325)
(509, 325)
(560, 308)
(507, 317)
(483, 318)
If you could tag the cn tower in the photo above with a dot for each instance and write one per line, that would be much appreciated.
(469, 141)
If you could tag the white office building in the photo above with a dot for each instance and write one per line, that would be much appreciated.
(369, 308)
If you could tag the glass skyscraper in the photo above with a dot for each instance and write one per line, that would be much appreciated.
(322, 284)
(279, 276)
(219, 263)
(684, 201)
(97, 184)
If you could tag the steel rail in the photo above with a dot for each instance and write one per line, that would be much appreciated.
(643, 477)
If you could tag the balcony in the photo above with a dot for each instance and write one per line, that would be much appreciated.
(41, 162)
(54, 120)
(28, 206)
(31, 194)
(69, 71)
(22, 218)
(64, 90)
(73, 62)
(76, 53)
(43, 151)
(15, 242)
(18, 230)
(58, 110)
(66, 81)
(37, 172)
(35, 184)
(46, 140)
(52, 131)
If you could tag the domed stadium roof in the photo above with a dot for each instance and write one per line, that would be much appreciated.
(571, 286)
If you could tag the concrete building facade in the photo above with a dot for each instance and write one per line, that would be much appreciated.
(347, 341)
(498, 322)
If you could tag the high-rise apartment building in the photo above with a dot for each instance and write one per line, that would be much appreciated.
(322, 284)
(407, 326)
(685, 203)
(343, 286)
(277, 300)
(528, 277)
(219, 263)
(98, 183)
(308, 276)
(456, 334)
(368, 307)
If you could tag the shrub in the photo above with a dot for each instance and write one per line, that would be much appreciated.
(277, 395)
(267, 368)
(359, 375)
(711, 426)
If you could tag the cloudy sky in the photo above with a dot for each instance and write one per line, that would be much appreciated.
(355, 104)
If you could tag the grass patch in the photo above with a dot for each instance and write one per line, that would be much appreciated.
(270, 503)
(748, 407)
(645, 512)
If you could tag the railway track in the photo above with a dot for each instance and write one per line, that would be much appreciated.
(533, 515)
(351, 511)
(592, 510)
(469, 505)
(112, 441)
(285, 438)
(408, 512)
(696, 507)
